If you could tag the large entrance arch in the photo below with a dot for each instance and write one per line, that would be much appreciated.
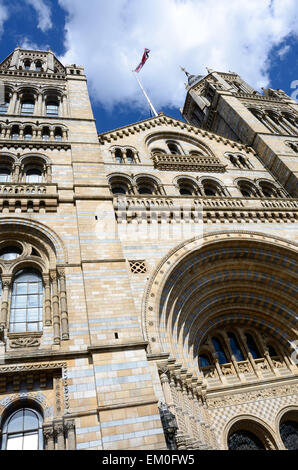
(219, 311)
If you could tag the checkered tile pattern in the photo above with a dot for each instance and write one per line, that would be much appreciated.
(266, 410)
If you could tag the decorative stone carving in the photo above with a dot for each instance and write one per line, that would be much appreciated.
(254, 395)
(25, 342)
(172, 162)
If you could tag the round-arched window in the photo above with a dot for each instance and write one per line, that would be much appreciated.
(244, 440)
(289, 434)
(22, 430)
(4, 174)
(118, 190)
(10, 253)
(145, 190)
(27, 107)
(33, 175)
(26, 302)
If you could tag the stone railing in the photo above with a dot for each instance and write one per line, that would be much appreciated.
(163, 161)
(26, 189)
(26, 197)
(195, 202)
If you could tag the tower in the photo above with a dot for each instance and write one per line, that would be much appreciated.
(225, 104)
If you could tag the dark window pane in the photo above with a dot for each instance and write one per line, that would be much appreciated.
(252, 347)
(235, 347)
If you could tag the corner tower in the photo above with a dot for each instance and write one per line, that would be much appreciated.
(225, 104)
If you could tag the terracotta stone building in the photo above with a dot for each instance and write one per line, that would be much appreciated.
(148, 277)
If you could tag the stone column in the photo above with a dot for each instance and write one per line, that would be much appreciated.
(48, 314)
(249, 356)
(6, 283)
(48, 173)
(12, 103)
(55, 307)
(71, 434)
(38, 105)
(233, 359)
(16, 172)
(167, 391)
(48, 434)
(36, 108)
(63, 303)
(59, 432)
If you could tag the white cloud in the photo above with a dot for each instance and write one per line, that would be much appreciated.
(43, 14)
(108, 38)
(3, 16)
(28, 44)
(282, 52)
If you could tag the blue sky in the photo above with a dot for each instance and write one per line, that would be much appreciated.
(257, 39)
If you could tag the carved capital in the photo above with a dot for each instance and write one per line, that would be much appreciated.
(48, 432)
(70, 425)
(53, 275)
(61, 272)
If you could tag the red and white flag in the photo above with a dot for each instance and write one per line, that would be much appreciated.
(144, 59)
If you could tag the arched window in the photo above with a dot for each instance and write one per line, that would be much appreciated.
(15, 132)
(271, 350)
(10, 253)
(33, 175)
(289, 434)
(4, 106)
(119, 190)
(204, 360)
(27, 107)
(118, 156)
(235, 347)
(147, 186)
(129, 156)
(38, 66)
(145, 189)
(244, 440)
(187, 187)
(52, 107)
(185, 191)
(26, 302)
(268, 190)
(58, 134)
(222, 358)
(22, 430)
(4, 174)
(28, 133)
(173, 148)
(246, 192)
(45, 133)
(212, 188)
(252, 347)
(247, 189)
(27, 64)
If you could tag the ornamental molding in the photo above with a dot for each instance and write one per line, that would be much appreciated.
(24, 342)
(161, 120)
(32, 367)
(23, 369)
(172, 162)
(256, 395)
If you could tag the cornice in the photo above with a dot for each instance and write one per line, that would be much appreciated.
(162, 120)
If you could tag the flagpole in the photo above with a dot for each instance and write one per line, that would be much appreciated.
(146, 96)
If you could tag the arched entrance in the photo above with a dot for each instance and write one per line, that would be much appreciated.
(222, 309)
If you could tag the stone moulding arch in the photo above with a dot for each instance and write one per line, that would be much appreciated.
(153, 292)
(48, 236)
(288, 409)
(180, 137)
(256, 425)
(35, 157)
(35, 399)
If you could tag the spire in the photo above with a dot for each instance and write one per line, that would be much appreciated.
(192, 79)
